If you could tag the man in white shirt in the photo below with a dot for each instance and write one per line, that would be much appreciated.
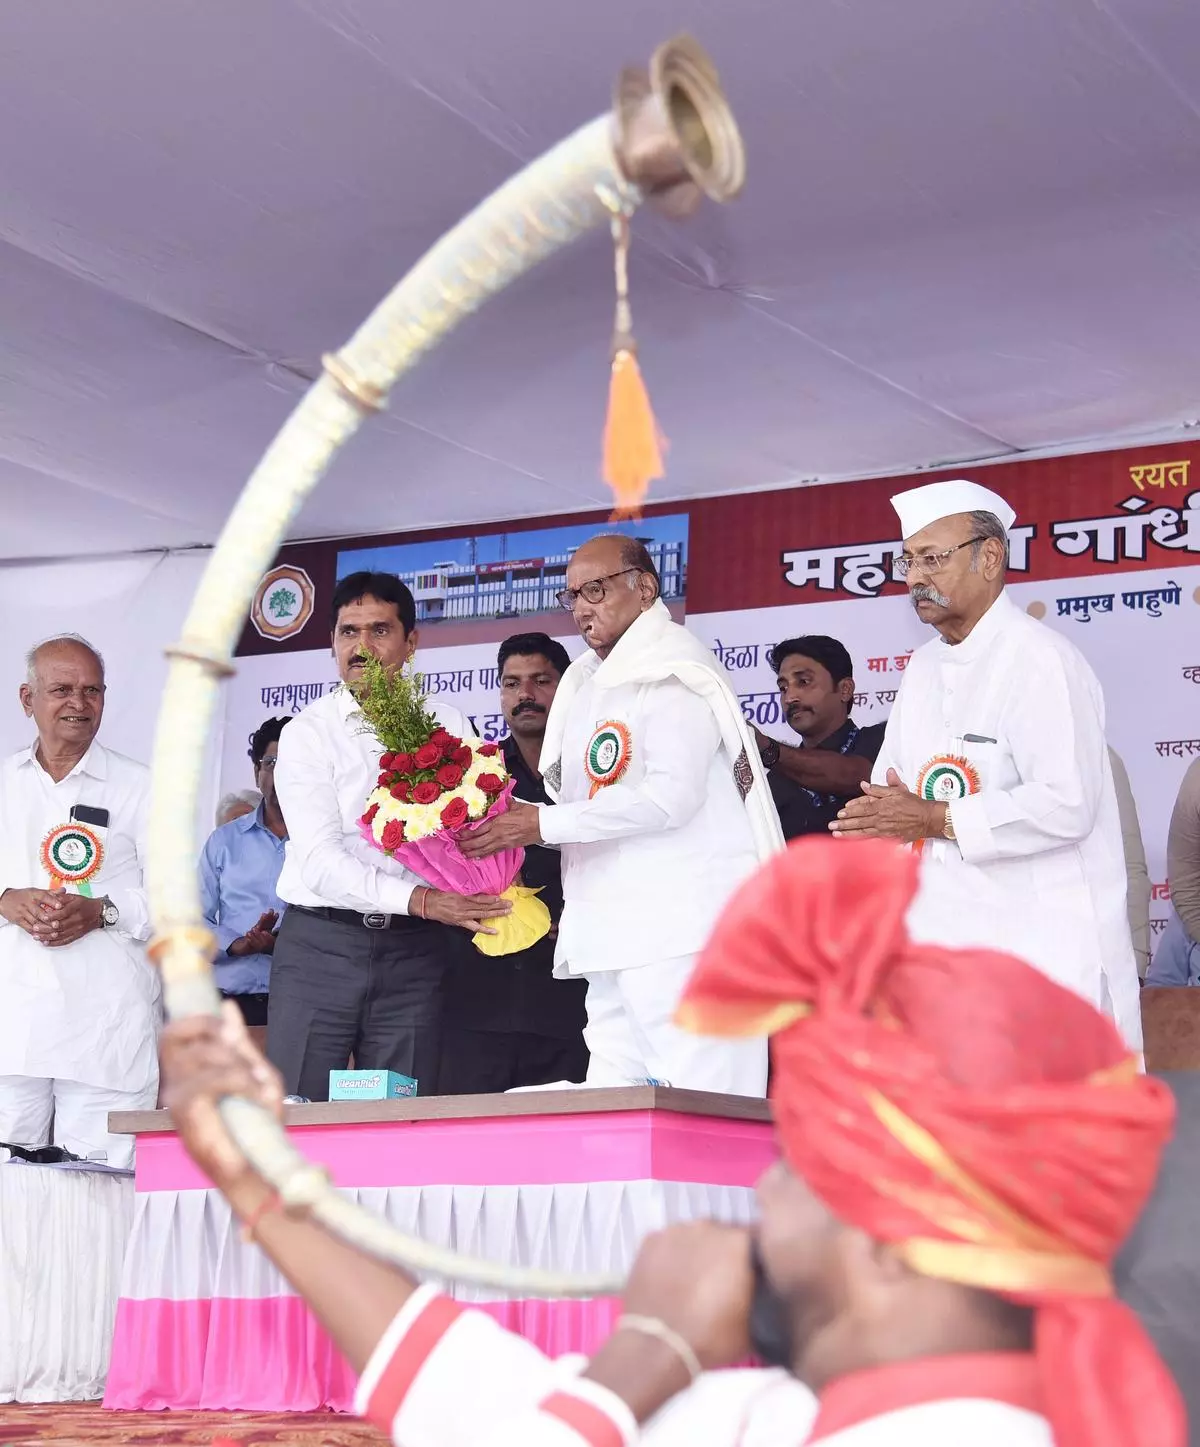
(80, 1002)
(964, 1144)
(662, 810)
(362, 958)
(995, 765)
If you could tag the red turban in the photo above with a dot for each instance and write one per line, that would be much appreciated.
(957, 1103)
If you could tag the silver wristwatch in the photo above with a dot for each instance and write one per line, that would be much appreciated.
(109, 914)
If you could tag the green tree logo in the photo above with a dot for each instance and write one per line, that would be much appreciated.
(282, 602)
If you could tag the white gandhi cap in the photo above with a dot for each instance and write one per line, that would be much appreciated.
(921, 506)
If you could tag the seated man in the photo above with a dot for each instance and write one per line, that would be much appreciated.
(239, 870)
(965, 1145)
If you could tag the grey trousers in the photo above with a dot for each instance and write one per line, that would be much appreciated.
(340, 989)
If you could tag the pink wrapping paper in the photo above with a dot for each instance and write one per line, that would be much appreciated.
(441, 864)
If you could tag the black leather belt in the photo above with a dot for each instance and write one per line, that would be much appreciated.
(363, 921)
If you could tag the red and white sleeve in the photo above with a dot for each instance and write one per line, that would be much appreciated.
(446, 1376)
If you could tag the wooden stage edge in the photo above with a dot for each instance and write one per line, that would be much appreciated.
(479, 1107)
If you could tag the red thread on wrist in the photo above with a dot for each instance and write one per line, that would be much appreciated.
(251, 1222)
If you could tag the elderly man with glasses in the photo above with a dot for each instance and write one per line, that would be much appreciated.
(995, 766)
(661, 810)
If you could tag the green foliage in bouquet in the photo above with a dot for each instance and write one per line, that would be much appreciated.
(393, 704)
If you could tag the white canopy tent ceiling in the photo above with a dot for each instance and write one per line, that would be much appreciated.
(970, 230)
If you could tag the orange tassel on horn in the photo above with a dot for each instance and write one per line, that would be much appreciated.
(632, 444)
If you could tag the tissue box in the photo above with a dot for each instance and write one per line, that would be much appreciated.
(369, 1085)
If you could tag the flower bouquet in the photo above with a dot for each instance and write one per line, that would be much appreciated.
(433, 788)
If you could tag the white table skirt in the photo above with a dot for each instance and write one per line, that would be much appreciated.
(187, 1246)
(63, 1236)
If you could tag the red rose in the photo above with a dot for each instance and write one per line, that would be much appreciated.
(393, 834)
(369, 817)
(455, 813)
(402, 763)
(387, 761)
(443, 736)
(490, 783)
(428, 756)
(462, 756)
(426, 793)
(400, 791)
(487, 750)
(449, 776)
(383, 781)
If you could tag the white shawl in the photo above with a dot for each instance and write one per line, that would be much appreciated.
(653, 649)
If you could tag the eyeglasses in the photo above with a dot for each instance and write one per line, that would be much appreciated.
(928, 562)
(267, 763)
(593, 591)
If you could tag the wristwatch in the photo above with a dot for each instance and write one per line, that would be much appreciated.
(769, 754)
(948, 827)
(109, 914)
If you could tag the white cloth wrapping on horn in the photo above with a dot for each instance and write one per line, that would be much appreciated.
(921, 506)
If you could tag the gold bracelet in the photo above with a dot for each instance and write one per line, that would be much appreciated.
(652, 1326)
(424, 903)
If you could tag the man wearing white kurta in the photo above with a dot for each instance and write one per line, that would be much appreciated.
(80, 1015)
(662, 810)
(995, 764)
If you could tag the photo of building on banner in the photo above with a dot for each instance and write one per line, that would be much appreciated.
(483, 587)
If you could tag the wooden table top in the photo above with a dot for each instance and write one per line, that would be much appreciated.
(484, 1107)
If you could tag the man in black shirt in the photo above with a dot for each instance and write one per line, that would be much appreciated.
(811, 783)
(512, 1022)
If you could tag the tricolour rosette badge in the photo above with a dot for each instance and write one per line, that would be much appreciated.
(432, 789)
(72, 854)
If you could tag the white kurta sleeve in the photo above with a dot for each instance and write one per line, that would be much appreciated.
(1055, 730)
(132, 903)
(678, 741)
(1138, 875)
(304, 781)
(445, 1376)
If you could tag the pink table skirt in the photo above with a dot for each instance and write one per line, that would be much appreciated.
(270, 1355)
(205, 1321)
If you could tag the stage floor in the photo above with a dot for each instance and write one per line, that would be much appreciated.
(85, 1424)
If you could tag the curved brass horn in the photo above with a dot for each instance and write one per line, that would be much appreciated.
(672, 140)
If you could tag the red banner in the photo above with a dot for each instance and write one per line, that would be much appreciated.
(1076, 516)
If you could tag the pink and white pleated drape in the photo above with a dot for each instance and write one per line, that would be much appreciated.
(205, 1321)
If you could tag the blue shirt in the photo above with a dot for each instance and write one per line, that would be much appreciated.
(239, 869)
(1177, 958)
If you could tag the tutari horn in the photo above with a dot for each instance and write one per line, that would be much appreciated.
(671, 140)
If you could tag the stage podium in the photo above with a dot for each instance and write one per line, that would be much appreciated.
(565, 1180)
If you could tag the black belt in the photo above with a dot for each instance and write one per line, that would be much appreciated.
(363, 921)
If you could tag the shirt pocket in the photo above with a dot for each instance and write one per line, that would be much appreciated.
(120, 864)
(991, 759)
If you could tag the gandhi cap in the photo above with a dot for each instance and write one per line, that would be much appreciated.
(921, 506)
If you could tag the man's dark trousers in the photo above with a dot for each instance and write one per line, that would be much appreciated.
(340, 989)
